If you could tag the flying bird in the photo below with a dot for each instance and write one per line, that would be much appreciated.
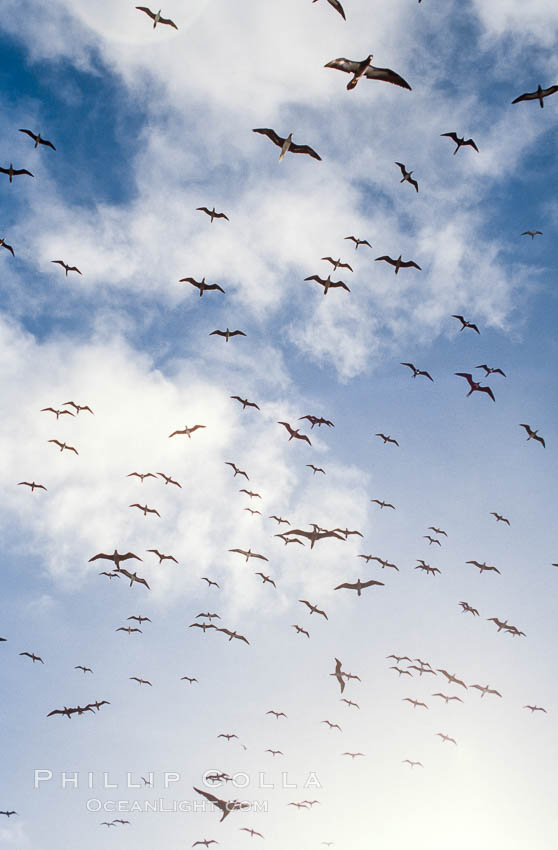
(188, 431)
(337, 264)
(250, 493)
(387, 439)
(14, 172)
(350, 702)
(483, 567)
(533, 435)
(358, 585)
(276, 714)
(249, 554)
(57, 412)
(141, 475)
(226, 807)
(66, 267)
(313, 608)
(489, 370)
(227, 334)
(295, 433)
(146, 510)
(212, 214)
(128, 629)
(452, 678)
(460, 142)
(237, 471)
(116, 557)
(474, 385)
(301, 631)
(533, 708)
(358, 241)
(485, 689)
(446, 738)
(532, 233)
(38, 139)
(465, 324)
(414, 702)
(79, 407)
(407, 176)
(266, 579)
(244, 402)
(383, 504)
(85, 669)
(32, 485)
(337, 6)
(447, 698)
(315, 468)
(4, 244)
(539, 94)
(140, 681)
(366, 69)
(133, 577)
(499, 517)
(169, 480)
(468, 610)
(399, 263)
(210, 582)
(412, 763)
(156, 17)
(328, 283)
(202, 285)
(33, 657)
(317, 420)
(162, 557)
(64, 446)
(417, 371)
(287, 145)
(338, 673)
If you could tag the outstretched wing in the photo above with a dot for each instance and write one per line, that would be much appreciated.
(293, 148)
(387, 76)
(271, 134)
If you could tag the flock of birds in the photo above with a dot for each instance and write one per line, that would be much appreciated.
(405, 665)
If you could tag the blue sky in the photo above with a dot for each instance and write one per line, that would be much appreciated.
(149, 125)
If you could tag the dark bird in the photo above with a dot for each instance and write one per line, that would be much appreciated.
(13, 172)
(399, 263)
(295, 433)
(485, 689)
(212, 214)
(266, 579)
(431, 540)
(313, 536)
(539, 94)
(228, 736)
(226, 807)
(407, 176)
(203, 626)
(146, 510)
(133, 577)
(358, 585)
(532, 233)
(275, 752)
(366, 69)
(210, 582)
(533, 708)
(234, 634)
(468, 610)
(315, 468)
(451, 678)
(332, 725)
(85, 669)
(400, 671)
(400, 658)
(350, 702)
(247, 829)
(412, 763)
(110, 575)
(414, 702)
(489, 370)
(499, 517)
(352, 755)
(37, 139)
(483, 567)
(313, 608)
(64, 446)
(188, 431)
(446, 738)
(227, 334)
(244, 402)
(276, 714)
(156, 17)
(141, 475)
(116, 557)
(474, 385)
(387, 439)
(460, 142)
(205, 842)
(140, 681)
(128, 629)
(79, 407)
(57, 412)
(237, 471)
(4, 244)
(249, 554)
(533, 435)
(383, 504)
(66, 267)
(337, 264)
(139, 619)
(465, 324)
(202, 285)
(338, 673)
(328, 283)
(169, 480)
(301, 631)
(317, 420)
(287, 145)
(209, 616)
(32, 485)
(33, 657)
(252, 511)
(446, 698)
(417, 371)
(437, 530)
(190, 679)
(358, 241)
(162, 557)
(337, 6)
(251, 494)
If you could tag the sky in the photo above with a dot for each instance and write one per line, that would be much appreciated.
(148, 125)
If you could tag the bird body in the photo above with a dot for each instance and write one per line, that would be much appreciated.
(287, 145)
